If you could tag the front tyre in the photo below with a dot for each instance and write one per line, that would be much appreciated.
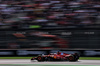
(71, 58)
(39, 58)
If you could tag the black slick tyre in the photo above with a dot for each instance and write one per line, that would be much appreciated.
(39, 58)
(71, 58)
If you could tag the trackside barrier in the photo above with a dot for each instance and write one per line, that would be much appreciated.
(26, 53)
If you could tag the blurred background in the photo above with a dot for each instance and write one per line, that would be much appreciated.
(26, 14)
(50, 24)
(50, 39)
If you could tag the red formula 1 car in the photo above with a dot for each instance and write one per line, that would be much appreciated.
(57, 57)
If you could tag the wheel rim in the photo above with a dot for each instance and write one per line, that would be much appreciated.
(70, 58)
(39, 58)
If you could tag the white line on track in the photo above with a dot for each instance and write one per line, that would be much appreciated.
(28, 61)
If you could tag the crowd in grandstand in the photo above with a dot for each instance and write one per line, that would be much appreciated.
(49, 13)
(25, 14)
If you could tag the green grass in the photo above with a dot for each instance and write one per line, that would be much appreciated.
(89, 58)
(15, 57)
(34, 26)
(81, 58)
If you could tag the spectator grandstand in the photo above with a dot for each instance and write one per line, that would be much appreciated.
(26, 14)
(49, 15)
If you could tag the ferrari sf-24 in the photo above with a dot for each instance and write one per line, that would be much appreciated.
(57, 57)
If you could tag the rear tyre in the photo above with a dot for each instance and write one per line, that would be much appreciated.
(76, 57)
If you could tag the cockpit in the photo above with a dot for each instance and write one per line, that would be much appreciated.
(52, 53)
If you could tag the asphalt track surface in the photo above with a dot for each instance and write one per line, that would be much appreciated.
(27, 62)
